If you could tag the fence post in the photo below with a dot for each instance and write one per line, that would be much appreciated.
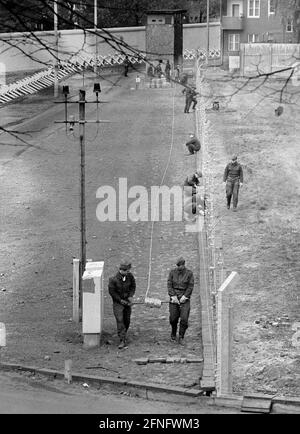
(76, 295)
(225, 336)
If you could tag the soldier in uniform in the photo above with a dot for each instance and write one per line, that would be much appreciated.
(233, 179)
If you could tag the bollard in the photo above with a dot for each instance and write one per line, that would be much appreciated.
(68, 371)
(2, 335)
(92, 304)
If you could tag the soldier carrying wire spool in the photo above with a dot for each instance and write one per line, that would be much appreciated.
(121, 287)
(180, 288)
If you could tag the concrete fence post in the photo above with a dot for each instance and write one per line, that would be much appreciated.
(76, 294)
(225, 335)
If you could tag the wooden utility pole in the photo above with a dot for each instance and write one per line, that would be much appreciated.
(207, 49)
(95, 27)
(55, 8)
(80, 265)
(82, 181)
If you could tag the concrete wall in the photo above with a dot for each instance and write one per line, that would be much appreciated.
(195, 36)
(15, 47)
(268, 58)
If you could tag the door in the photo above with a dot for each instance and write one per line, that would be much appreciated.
(235, 10)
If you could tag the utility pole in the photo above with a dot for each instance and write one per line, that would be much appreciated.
(207, 49)
(79, 270)
(55, 8)
(82, 180)
(96, 40)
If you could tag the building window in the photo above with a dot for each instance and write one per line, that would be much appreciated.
(252, 38)
(253, 8)
(234, 42)
(271, 7)
(290, 25)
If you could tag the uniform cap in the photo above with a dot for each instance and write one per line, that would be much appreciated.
(234, 157)
(199, 173)
(180, 261)
(125, 265)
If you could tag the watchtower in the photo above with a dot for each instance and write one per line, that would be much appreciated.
(164, 35)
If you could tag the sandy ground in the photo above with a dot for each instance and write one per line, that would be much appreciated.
(39, 236)
(261, 242)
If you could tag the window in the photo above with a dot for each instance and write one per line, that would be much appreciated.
(234, 42)
(290, 25)
(253, 8)
(271, 7)
(252, 38)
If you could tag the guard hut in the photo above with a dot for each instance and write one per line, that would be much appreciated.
(164, 35)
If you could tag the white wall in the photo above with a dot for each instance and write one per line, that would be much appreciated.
(15, 46)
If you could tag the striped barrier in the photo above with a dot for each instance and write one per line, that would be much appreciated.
(78, 63)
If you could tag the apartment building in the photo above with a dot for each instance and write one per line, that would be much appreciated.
(254, 21)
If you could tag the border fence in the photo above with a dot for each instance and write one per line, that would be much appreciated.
(215, 286)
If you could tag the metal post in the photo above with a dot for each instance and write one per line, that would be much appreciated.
(56, 48)
(82, 183)
(95, 26)
(207, 11)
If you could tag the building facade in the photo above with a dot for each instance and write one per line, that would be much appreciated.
(254, 21)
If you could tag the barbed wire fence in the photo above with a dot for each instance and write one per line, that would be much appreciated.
(212, 244)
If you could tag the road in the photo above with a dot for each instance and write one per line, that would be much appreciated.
(28, 395)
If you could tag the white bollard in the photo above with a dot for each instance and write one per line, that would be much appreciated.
(2, 335)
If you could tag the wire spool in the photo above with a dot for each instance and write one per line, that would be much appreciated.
(153, 302)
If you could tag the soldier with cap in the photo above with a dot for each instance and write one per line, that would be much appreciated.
(190, 189)
(233, 179)
(193, 144)
(180, 288)
(121, 287)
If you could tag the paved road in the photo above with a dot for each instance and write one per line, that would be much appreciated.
(28, 395)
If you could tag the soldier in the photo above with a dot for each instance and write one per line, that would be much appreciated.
(193, 144)
(190, 189)
(190, 97)
(168, 71)
(121, 287)
(183, 81)
(233, 179)
(180, 288)
(126, 66)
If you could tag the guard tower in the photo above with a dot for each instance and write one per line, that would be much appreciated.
(164, 35)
